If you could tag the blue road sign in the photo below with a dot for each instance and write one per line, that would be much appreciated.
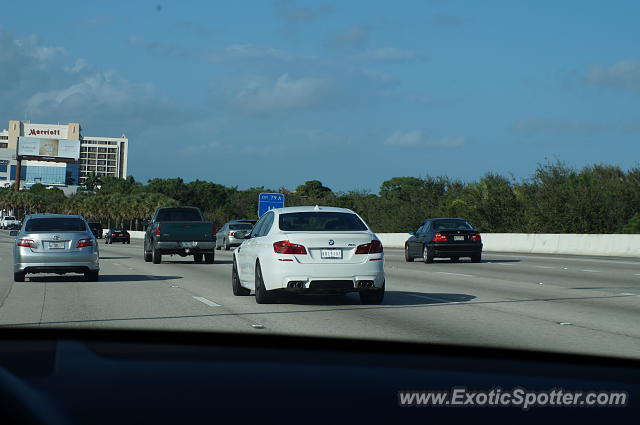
(269, 201)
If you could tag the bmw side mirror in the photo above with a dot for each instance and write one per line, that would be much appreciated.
(13, 233)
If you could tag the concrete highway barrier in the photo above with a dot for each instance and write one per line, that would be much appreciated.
(545, 243)
(534, 243)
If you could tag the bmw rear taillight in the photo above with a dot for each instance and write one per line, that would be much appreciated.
(374, 247)
(27, 243)
(286, 247)
(84, 242)
(157, 231)
(475, 238)
(439, 237)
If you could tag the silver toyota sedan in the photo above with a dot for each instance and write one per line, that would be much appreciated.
(55, 243)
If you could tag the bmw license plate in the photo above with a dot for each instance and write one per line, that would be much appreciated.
(458, 238)
(331, 253)
(56, 245)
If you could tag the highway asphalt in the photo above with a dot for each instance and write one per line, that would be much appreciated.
(550, 302)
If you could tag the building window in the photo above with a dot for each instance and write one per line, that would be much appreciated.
(4, 145)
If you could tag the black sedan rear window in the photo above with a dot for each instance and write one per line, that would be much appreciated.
(321, 222)
(55, 225)
(451, 225)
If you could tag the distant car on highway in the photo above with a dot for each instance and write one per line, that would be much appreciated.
(53, 243)
(307, 250)
(96, 228)
(444, 238)
(225, 238)
(10, 222)
(117, 235)
(179, 231)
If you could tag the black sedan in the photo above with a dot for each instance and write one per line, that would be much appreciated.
(117, 235)
(444, 238)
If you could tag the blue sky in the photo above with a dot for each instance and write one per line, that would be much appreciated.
(274, 93)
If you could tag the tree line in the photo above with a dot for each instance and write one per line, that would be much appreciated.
(555, 199)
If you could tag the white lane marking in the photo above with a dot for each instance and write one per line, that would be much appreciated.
(565, 323)
(456, 274)
(257, 326)
(590, 271)
(440, 300)
(544, 267)
(504, 264)
(629, 293)
(637, 274)
(562, 257)
(207, 302)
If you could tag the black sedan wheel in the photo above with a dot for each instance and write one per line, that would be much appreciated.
(408, 258)
(427, 255)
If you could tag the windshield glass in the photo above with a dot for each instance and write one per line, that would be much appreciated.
(55, 225)
(352, 133)
(320, 222)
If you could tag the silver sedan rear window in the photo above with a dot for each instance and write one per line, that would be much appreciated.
(55, 224)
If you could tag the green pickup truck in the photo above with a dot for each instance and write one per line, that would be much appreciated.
(179, 231)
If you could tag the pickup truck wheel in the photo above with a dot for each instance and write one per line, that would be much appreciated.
(197, 258)
(156, 257)
(18, 276)
(262, 295)
(209, 257)
(238, 289)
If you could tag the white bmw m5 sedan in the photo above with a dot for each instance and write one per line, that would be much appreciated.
(309, 250)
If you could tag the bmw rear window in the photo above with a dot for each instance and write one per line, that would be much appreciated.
(240, 226)
(55, 225)
(321, 222)
(451, 225)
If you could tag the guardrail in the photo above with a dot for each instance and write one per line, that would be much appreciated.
(534, 243)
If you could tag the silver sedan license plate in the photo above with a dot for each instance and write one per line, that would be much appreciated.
(331, 253)
(56, 245)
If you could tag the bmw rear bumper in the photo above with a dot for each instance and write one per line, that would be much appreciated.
(456, 250)
(323, 278)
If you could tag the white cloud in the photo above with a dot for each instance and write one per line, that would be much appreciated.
(355, 36)
(251, 51)
(623, 75)
(387, 54)
(418, 139)
(284, 94)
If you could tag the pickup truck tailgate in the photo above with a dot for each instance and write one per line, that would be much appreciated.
(186, 231)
